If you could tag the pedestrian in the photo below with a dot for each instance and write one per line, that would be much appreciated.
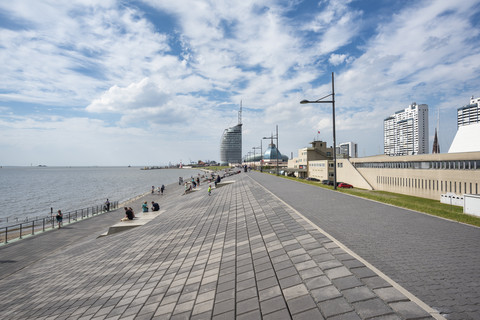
(107, 205)
(162, 188)
(209, 189)
(198, 181)
(59, 217)
(129, 215)
(145, 207)
(155, 206)
(153, 189)
(187, 188)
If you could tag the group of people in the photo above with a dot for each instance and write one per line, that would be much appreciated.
(193, 184)
(155, 206)
(129, 212)
(159, 189)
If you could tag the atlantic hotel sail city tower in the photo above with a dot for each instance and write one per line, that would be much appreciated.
(231, 143)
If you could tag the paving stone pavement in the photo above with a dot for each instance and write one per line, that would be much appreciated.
(239, 253)
(435, 259)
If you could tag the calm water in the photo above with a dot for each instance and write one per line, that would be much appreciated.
(32, 191)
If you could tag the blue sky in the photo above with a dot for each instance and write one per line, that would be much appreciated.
(88, 82)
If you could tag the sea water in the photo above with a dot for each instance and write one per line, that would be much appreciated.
(29, 192)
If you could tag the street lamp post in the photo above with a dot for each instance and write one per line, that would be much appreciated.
(249, 154)
(261, 154)
(254, 154)
(333, 117)
(274, 137)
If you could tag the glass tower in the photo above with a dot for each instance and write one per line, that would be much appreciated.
(231, 145)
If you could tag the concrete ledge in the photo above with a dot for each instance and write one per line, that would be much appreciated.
(140, 219)
(190, 191)
(225, 183)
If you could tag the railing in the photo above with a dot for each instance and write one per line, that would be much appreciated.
(20, 230)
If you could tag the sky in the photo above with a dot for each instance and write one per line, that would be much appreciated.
(153, 82)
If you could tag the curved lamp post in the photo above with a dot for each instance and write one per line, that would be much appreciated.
(333, 116)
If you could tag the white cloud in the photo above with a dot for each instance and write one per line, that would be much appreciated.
(407, 62)
(73, 50)
(182, 83)
(336, 59)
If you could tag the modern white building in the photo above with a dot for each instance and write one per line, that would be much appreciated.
(468, 132)
(348, 149)
(469, 114)
(406, 131)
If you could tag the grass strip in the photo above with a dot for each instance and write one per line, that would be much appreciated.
(216, 168)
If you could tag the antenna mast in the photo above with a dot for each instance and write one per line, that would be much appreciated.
(240, 113)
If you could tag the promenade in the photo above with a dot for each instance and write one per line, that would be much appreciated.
(240, 253)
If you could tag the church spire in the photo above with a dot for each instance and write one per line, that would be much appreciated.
(436, 145)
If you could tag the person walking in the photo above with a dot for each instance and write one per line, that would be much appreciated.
(107, 205)
(59, 218)
(162, 188)
(209, 189)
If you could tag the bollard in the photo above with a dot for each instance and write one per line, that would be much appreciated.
(20, 231)
(43, 226)
(6, 234)
(33, 227)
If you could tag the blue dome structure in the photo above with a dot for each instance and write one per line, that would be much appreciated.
(269, 155)
(273, 153)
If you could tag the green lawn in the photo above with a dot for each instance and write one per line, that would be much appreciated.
(429, 206)
(216, 168)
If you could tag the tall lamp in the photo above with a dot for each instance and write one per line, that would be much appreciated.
(321, 100)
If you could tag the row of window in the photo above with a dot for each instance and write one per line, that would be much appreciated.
(430, 184)
(457, 164)
(317, 164)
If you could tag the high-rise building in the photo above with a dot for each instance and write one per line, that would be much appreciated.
(231, 144)
(468, 122)
(348, 149)
(406, 131)
(469, 114)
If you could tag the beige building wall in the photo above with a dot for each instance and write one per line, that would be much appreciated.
(318, 151)
(319, 169)
(437, 174)
(346, 172)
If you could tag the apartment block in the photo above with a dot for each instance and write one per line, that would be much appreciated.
(406, 131)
